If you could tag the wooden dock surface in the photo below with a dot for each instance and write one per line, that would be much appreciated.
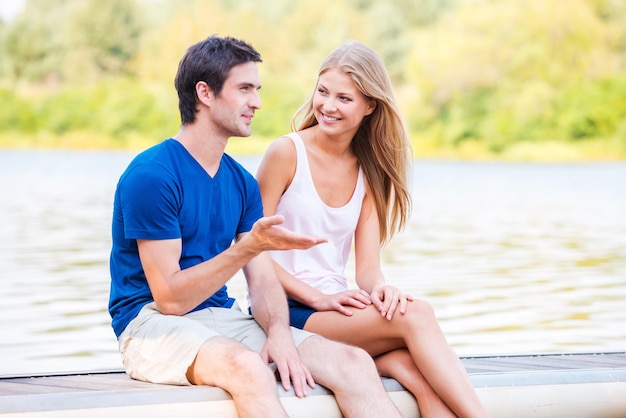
(589, 385)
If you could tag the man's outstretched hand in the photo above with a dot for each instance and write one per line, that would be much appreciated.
(269, 235)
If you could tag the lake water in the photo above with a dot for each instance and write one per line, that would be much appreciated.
(515, 258)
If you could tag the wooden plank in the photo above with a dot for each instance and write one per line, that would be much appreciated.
(599, 360)
(545, 362)
(90, 391)
(16, 388)
(97, 382)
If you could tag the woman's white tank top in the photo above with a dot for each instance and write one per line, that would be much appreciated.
(323, 266)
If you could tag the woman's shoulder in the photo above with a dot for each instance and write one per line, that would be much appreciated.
(282, 148)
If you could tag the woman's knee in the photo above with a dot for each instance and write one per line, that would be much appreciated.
(421, 309)
(419, 316)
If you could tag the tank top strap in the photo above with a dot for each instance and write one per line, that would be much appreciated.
(303, 171)
(299, 143)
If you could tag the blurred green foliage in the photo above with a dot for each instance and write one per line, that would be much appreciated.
(474, 78)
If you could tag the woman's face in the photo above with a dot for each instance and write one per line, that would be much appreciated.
(338, 104)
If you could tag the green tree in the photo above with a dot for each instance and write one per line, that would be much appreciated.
(32, 50)
(71, 40)
(494, 70)
(468, 74)
(102, 38)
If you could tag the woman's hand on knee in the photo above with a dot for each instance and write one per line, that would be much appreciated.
(389, 299)
(342, 301)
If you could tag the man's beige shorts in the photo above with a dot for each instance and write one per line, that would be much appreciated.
(160, 348)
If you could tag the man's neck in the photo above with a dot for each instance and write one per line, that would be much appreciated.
(204, 147)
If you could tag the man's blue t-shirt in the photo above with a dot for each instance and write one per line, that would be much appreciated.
(165, 194)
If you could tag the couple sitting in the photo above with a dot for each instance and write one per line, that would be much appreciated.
(341, 175)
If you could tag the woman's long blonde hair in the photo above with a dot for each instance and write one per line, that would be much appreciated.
(381, 144)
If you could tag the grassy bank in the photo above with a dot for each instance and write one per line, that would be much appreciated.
(536, 151)
(544, 151)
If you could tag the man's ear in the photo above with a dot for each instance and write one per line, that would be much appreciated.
(204, 92)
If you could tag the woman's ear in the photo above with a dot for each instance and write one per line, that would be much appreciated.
(371, 107)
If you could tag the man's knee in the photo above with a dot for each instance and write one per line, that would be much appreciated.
(220, 362)
(339, 357)
(350, 356)
(243, 360)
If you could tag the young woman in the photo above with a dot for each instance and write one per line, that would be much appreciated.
(343, 175)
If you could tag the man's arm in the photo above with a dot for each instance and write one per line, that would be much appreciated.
(268, 303)
(177, 291)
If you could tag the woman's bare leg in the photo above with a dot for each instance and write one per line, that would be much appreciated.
(419, 332)
(399, 365)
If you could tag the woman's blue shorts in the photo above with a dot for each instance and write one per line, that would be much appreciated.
(299, 313)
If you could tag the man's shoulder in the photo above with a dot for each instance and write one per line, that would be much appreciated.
(151, 164)
(161, 154)
(157, 151)
(234, 166)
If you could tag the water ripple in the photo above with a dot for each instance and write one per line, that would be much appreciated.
(515, 258)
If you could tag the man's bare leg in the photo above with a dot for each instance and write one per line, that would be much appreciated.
(231, 366)
(349, 372)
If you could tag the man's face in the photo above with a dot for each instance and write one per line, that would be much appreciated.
(232, 111)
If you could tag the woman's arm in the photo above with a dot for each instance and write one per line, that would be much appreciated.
(369, 276)
(276, 172)
(367, 246)
(274, 176)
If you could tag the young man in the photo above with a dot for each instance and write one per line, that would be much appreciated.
(178, 207)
